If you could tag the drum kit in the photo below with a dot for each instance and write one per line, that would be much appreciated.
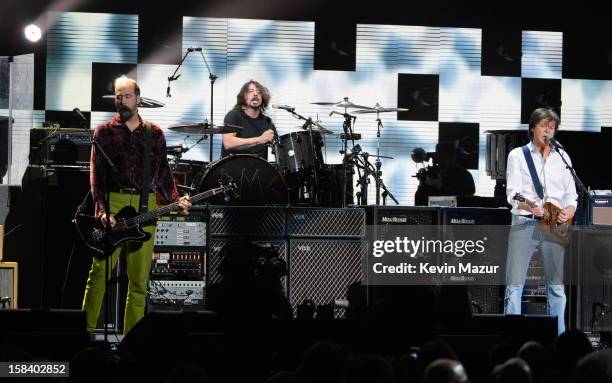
(299, 176)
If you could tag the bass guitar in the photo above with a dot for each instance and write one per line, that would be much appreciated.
(129, 223)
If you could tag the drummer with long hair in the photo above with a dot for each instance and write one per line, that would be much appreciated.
(258, 130)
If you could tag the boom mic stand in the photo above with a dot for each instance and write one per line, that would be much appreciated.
(212, 77)
(108, 252)
(584, 196)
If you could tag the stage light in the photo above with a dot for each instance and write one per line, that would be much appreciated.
(32, 33)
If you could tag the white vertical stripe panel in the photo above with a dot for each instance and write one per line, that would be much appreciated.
(500, 109)
(605, 112)
(398, 48)
(583, 102)
(21, 91)
(74, 41)
(20, 143)
(20, 140)
(459, 92)
(542, 54)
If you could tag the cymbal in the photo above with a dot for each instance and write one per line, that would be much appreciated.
(144, 101)
(205, 128)
(322, 130)
(379, 109)
(345, 103)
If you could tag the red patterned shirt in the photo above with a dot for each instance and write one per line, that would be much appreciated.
(126, 151)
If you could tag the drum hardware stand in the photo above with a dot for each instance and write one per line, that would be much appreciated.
(378, 173)
(361, 161)
(348, 160)
(364, 179)
(212, 77)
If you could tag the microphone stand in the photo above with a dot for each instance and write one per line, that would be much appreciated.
(585, 196)
(378, 173)
(212, 77)
(386, 193)
(109, 165)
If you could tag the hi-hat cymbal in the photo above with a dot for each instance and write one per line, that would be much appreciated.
(205, 128)
(379, 109)
(144, 101)
(345, 103)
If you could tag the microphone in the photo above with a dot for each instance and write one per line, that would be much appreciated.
(283, 107)
(553, 142)
(170, 79)
(198, 49)
(80, 114)
(176, 149)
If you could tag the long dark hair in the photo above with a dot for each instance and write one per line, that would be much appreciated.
(265, 95)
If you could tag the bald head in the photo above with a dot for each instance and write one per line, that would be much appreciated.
(124, 82)
(127, 94)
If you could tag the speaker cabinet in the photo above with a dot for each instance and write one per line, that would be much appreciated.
(485, 299)
(321, 270)
(326, 222)
(217, 244)
(592, 270)
(8, 285)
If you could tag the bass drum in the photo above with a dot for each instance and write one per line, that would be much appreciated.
(258, 183)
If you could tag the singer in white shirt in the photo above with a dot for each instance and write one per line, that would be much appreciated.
(525, 236)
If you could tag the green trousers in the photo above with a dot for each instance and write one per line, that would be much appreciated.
(138, 269)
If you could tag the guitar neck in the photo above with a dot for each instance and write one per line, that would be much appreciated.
(529, 203)
(519, 197)
(154, 214)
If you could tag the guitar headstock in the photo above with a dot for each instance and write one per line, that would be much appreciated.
(518, 197)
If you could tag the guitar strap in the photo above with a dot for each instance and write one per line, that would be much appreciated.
(534, 176)
(144, 189)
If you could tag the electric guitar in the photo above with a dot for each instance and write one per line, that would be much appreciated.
(550, 220)
(129, 224)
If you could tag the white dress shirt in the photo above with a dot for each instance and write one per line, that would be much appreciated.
(557, 181)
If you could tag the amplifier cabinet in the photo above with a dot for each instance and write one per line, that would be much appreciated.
(601, 210)
(60, 146)
(326, 222)
(8, 285)
(249, 221)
